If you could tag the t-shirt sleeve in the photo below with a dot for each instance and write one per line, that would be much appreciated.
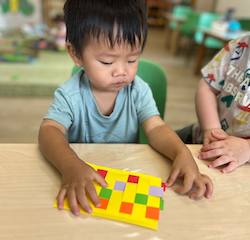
(61, 110)
(215, 71)
(146, 106)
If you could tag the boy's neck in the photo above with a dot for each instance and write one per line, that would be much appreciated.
(105, 101)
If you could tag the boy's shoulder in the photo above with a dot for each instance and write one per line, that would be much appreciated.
(73, 85)
(139, 84)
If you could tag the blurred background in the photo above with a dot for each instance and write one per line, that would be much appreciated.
(183, 37)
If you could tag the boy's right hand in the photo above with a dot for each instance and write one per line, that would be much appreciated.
(77, 181)
(208, 138)
(184, 166)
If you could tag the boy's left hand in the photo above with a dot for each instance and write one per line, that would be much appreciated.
(230, 150)
(185, 166)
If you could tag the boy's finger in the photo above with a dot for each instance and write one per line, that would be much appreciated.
(90, 188)
(187, 185)
(60, 198)
(206, 141)
(172, 177)
(200, 191)
(210, 187)
(218, 136)
(99, 179)
(231, 166)
(83, 200)
(224, 159)
(212, 153)
(73, 201)
(211, 146)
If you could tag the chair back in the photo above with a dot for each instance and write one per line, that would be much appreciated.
(205, 21)
(75, 70)
(245, 24)
(180, 11)
(189, 26)
(156, 78)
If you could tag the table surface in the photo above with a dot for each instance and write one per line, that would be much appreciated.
(29, 185)
(225, 36)
(172, 17)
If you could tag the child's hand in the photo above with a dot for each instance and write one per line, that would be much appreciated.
(208, 137)
(230, 150)
(185, 166)
(77, 181)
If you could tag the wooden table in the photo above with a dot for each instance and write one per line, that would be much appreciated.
(174, 37)
(29, 184)
(224, 37)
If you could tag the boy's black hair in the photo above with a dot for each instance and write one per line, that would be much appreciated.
(95, 18)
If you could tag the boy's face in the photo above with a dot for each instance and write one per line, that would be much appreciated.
(109, 69)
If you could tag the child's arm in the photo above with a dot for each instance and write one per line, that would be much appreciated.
(207, 111)
(165, 140)
(216, 142)
(226, 150)
(77, 176)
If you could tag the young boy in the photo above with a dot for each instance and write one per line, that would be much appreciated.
(107, 101)
(223, 108)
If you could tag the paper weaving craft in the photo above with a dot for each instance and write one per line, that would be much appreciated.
(130, 197)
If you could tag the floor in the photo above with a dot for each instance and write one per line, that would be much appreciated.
(20, 118)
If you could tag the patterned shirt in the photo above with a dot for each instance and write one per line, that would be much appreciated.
(229, 73)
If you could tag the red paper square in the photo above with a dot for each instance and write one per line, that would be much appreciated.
(102, 172)
(133, 179)
(164, 187)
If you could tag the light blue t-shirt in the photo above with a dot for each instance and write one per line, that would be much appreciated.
(75, 108)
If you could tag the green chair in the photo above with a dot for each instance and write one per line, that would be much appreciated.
(205, 21)
(75, 70)
(156, 78)
(188, 29)
(245, 23)
(180, 11)
(189, 26)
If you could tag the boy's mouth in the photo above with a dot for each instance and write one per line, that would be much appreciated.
(119, 83)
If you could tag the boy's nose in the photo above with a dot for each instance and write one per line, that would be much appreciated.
(120, 70)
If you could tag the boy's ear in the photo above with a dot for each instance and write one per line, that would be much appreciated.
(73, 55)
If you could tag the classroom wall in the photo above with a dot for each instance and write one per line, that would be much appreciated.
(17, 19)
(204, 5)
(242, 7)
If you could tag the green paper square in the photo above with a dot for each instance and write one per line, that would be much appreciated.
(105, 193)
(161, 204)
(141, 198)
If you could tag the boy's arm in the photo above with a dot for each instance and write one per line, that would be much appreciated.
(77, 176)
(166, 141)
(54, 144)
(207, 110)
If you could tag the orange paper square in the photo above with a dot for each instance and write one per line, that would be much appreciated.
(126, 207)
(152, 213)
(104, 203)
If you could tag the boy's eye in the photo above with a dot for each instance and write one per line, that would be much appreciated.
(132, 61)
(105, 63)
